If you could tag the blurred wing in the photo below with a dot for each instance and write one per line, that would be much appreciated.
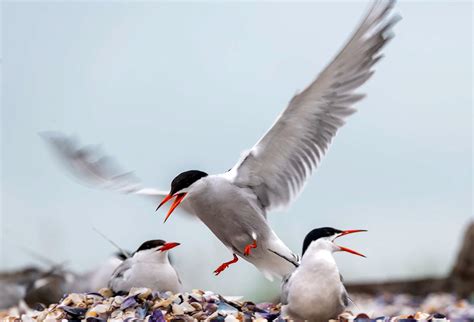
(278, 166)
(92, 168)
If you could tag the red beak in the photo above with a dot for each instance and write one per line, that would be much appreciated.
(350, 231)
(347, 232)
(344, 249)
(176, 202)
(168, 246)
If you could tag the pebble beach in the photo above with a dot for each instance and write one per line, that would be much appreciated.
(142, 304)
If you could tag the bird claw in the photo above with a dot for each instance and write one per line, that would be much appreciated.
(249, 247)
(220, 269)
(225, 265)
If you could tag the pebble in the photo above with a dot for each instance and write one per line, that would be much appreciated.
(142, 304)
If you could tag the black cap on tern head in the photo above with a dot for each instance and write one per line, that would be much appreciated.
(186, 179)
(319, 233)
(149, 244)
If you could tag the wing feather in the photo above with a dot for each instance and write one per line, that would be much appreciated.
(278, 166)
(92, 168)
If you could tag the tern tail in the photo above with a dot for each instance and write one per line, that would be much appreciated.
(272, 265)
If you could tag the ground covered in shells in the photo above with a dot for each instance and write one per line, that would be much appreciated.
(142, 304)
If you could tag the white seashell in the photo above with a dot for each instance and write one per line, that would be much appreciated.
(177, 309)
(233, 298)
(118, 300)
(421, 316)
(100, 308)
(129, 314)
(197, 306)
(230, 318)
(106, 292)
(213, 315)
(26, 318)
(116, 314)
(164, 303)
(54, 315)
(139, 290)
(187, 307)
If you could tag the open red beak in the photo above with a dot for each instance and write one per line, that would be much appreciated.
(168, 246)
(347, 232)
(176, 202)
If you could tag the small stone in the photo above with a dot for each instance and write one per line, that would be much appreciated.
(118, 300)
(91, 314)
(200, 316)
(197, 306)
(139, 291)
(421, 316)
(101, 308)
(210, 308)
(177, 309)
(106, 292)
(230, 318)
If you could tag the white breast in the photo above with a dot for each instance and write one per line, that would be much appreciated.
(150, 274)
(315, 289)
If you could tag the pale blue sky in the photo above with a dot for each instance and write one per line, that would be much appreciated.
(168, 87)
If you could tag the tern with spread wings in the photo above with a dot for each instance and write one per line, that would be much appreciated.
(234, 205)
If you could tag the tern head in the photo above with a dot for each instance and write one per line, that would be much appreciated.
(155, 248)
(325, 238)
(180, 187)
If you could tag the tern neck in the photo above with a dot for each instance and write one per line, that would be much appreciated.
(151, 256)
(319, 251)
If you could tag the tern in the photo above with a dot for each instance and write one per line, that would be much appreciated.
(234, 204)
(148, 267)
(314, 290)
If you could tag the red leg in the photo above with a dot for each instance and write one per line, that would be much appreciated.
(225, 265)
(249, 247)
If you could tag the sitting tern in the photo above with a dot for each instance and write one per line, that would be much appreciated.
(148, 267)
(314, 290)
(234, 204)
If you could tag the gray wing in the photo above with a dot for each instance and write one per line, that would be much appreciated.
(118, 276)
(285, 289)
(344, 296)
(278, 166)
(92, 168)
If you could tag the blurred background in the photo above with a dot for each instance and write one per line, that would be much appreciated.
(167, 87)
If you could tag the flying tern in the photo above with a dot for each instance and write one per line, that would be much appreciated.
(234, 204)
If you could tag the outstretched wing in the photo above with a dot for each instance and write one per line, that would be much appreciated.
(92, 168)
(278, 166)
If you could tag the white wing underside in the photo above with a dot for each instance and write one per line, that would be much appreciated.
(94, 169)
(281, 162)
